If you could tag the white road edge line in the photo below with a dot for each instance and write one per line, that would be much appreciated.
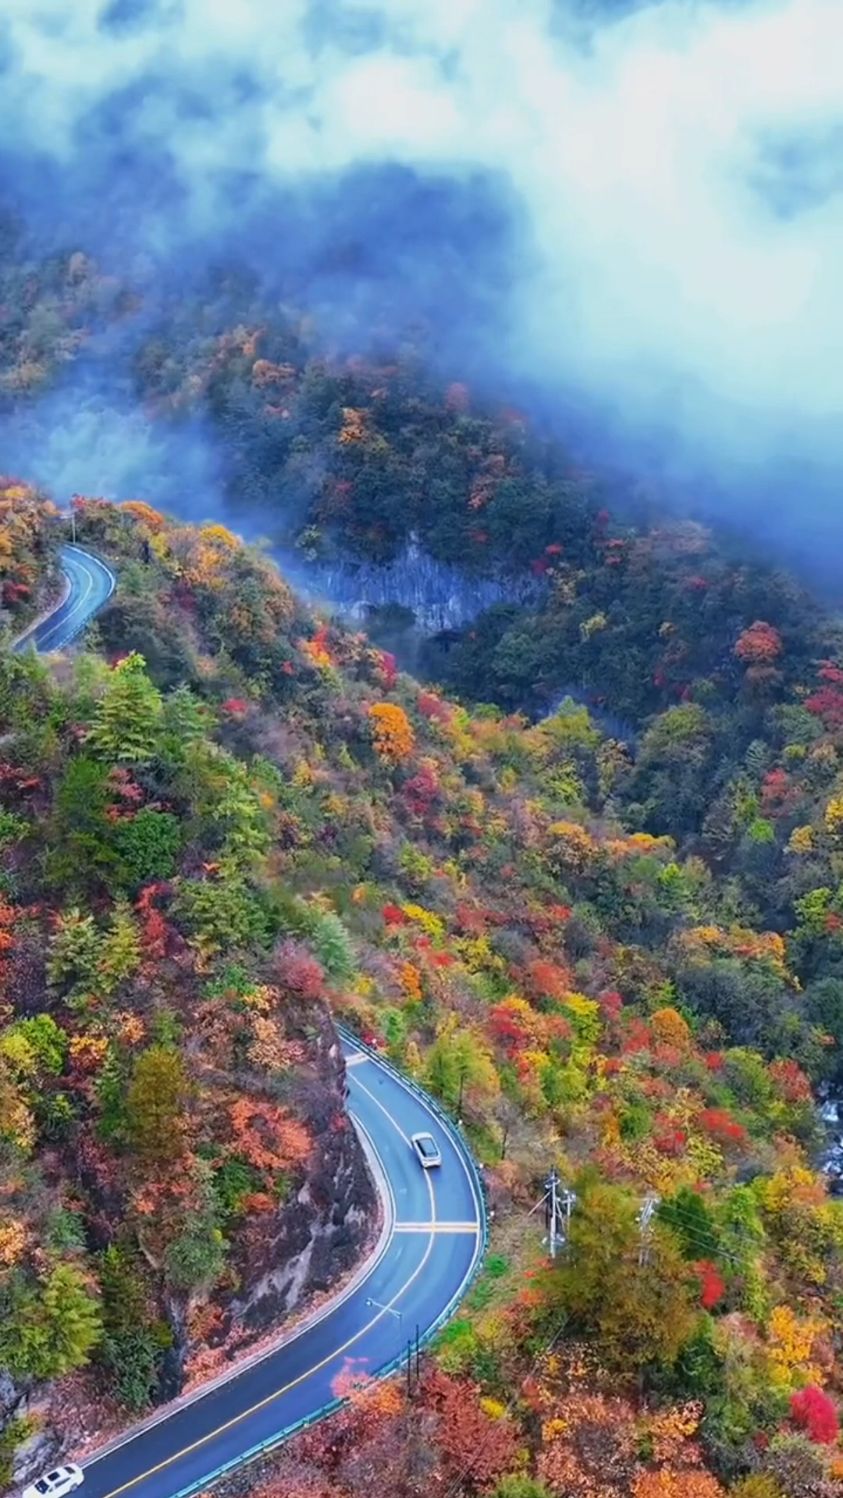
(88, 571)
(367, 1269)
(317, 1367)
(62, 624)
(83, 561)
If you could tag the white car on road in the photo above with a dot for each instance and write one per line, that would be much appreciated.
(427, 1149)
(57, 1483)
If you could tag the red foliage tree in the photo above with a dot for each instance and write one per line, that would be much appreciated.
(388, 669)
(791, 1081)
(668, 1137)
(611, 1003)
(827, 704)
(431, 706)
(298, 970)
(457, 397)
(393, 915)
(815, 1413)
(720, 1125)
(421, 790)
(775, 792)
(760, 645)
(830, 671)
(547, 980)
(267, 1136)
(476, 1448)
(156, 933)
(712, 1286)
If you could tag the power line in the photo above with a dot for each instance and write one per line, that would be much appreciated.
(513, 1400)
(558, 1203)
(692, 1228)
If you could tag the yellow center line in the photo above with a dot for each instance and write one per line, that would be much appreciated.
(309, 1372)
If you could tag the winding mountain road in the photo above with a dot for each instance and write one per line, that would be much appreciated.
(90, 584)
(430, 1247)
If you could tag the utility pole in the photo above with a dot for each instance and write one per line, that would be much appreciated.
(558, 1204)
(418, 1354)
(73, 522)
(645, 1217)
(409, 1368)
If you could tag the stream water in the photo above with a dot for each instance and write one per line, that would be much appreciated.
(830, 1111)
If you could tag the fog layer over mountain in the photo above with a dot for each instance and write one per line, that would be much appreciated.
(632, 209)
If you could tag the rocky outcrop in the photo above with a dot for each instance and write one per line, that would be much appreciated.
(321, 1231)
(277, 1263)
(24, 1412)
(439, 596)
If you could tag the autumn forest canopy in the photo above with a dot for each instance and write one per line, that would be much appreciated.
(228, 821)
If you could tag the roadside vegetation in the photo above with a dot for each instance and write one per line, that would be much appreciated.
(225, 813)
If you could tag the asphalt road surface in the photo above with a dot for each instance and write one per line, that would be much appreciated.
(91, 584)
(428, 1253)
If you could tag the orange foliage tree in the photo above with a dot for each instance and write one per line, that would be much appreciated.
(266, 1136)
(476, 1447)
(392, 732)
(667, 1483)
(759, 645)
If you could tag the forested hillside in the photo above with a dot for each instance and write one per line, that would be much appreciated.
(227, 818)
(170, 1077)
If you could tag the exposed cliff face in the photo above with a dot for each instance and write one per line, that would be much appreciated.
(281, 1259)
(39, 1443)
(278, 1262)
(321, 1231)
(440, 597)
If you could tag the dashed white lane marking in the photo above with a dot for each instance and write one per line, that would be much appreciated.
(436, 1227)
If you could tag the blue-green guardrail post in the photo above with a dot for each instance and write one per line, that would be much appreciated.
(394, 1366)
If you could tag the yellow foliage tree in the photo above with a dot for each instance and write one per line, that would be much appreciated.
(801, 840)
(669, 1028)
(392, 732)
(790, 1346)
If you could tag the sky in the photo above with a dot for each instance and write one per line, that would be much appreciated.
(634, 208)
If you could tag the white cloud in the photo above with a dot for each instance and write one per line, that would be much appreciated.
(666, 268)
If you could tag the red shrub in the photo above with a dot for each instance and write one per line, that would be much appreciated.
(720, 1125)
(389, 670)
(814, 1412)
(297, 970)
(712, 1286)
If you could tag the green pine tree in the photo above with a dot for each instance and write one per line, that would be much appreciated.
(128, 715)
